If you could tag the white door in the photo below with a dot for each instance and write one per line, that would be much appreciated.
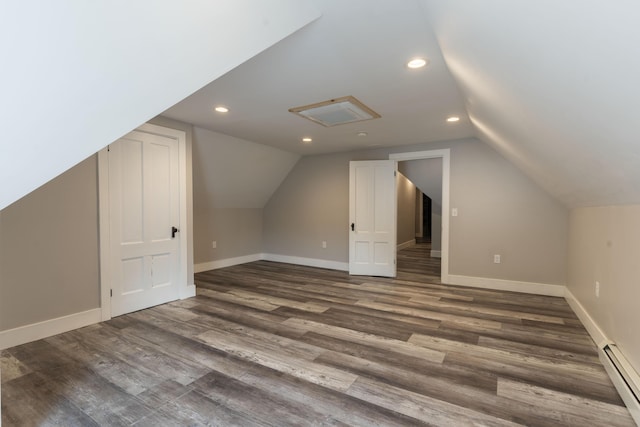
(144, 209)
(372, 214)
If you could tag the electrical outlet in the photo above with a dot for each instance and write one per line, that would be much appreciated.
(214, 244)
(597, 289)
(324, 244)
(496, 259)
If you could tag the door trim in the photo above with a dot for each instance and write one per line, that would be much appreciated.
(445, 155)
(185, 290)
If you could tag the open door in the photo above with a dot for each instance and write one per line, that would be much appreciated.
(144, 217)
(372, 217)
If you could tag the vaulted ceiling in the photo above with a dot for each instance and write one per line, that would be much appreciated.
(358, 48)
(76, 76)
(553, 86)
(550, 85)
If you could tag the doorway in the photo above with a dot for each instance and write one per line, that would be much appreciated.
(425, 218)
(443, 154)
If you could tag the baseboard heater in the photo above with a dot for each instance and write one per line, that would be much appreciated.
(624, 377)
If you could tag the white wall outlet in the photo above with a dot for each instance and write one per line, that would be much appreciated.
(496, 259)
(597, 289)
(214, 244)
(324, 244)
(454, 211)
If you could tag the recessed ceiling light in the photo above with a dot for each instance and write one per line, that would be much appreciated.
(222, 109)
(453, 119)
(307, 139)
(417, 63)
(363, 134)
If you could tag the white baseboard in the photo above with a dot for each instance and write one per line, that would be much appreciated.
(507, 285)
(309, 262)
(624, 378)
(227, 262)
(47, 328)
(436, 254)
(406, 244)
(601, 340)
(592, 327)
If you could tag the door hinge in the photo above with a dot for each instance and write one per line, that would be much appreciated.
(108, 148)
(395, 173)
(111, 293)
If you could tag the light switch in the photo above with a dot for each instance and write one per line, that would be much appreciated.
(454, 212)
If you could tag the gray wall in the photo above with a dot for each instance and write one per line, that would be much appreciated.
(49, 253)
(237, 232)
(232, 180)
(231, 172)
(501, 211)
(604, 243)
(436, 227)
(406, 212)
(310, 206)
(49, 250)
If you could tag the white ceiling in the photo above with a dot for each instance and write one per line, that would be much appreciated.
(357, 47)
(76, 75)
(552, 85)
(234, 173)
(426, 175)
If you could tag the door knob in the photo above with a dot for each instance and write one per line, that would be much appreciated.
(353, 227)
(173, 232)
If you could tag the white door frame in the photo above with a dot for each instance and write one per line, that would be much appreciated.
(185, 290)
(445, 155)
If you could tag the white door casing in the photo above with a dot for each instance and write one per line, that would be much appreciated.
(372, 217)
(142, 183)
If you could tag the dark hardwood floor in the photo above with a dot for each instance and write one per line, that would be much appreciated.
(275, 344)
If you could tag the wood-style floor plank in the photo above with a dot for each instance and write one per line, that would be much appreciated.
(271, 344)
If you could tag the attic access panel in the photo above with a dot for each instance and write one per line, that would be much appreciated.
(336, 111)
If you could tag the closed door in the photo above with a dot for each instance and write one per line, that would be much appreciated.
(144, 218)
(372, 213)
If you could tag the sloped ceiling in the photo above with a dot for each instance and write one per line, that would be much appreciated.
(426, 175)
(230, 172)
(358, 48)
(553, 86)
(76, 76)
